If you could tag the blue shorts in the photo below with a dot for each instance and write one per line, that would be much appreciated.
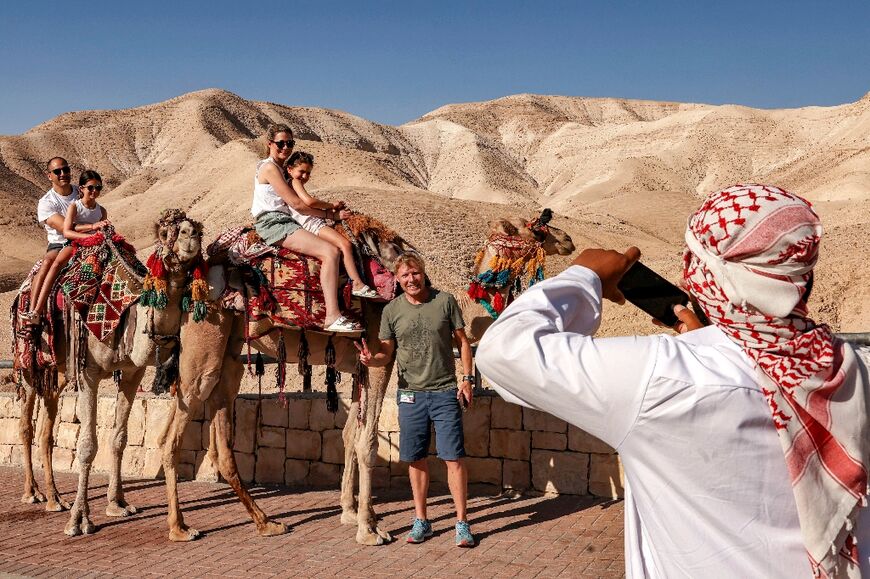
(417, 410)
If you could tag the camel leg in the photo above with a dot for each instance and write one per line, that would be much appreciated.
(117, 506)
(348, 475)
(179, 420)
(25, 432)
(86, 451)
(221, 400)
(366, 443)
(46, 447)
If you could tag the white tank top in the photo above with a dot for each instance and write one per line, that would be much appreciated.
(265, 196)
(85, 215)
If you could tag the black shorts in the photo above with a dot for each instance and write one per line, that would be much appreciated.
(55, 246)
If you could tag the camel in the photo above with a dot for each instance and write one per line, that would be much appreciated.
(124, 356)
(521, 239)
(211, 371)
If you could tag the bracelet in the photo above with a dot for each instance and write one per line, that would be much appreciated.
(468, 378)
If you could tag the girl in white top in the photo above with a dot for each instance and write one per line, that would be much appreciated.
(299, 168)
(83, 217)
(274, 206)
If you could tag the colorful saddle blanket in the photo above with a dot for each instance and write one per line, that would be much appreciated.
(103, 279)
(281, 288)
(33, 354)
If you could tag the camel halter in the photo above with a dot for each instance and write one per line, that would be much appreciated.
(154, 287)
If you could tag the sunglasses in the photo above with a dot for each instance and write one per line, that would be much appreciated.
(61, 170)
(92, 188)
(285, 144)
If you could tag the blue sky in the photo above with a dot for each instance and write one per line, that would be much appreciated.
(394, 61)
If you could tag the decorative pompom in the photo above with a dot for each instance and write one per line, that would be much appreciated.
(498, 302)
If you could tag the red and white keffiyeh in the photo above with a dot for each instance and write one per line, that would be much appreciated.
(750, 258)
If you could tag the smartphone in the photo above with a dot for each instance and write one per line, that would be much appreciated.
(652, 293)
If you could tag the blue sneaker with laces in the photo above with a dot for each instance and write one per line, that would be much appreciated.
(420, 531)
(464, 538)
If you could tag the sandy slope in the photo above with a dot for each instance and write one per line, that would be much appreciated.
(617, 172)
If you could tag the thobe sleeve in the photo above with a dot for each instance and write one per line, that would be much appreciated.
(540, 353)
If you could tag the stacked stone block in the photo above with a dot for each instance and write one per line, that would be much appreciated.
(508, 446)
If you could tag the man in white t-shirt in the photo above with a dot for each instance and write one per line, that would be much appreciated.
(50, 213)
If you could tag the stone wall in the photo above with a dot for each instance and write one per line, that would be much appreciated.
(507, 445)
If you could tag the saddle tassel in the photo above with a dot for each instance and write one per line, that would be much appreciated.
(331, 391)
(281, 371)
(303, 367)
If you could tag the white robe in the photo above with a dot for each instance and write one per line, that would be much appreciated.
(707, 492)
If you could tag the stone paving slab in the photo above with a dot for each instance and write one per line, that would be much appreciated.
(528, 536)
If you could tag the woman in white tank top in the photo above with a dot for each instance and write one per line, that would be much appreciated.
(274, 206)
(83, 218)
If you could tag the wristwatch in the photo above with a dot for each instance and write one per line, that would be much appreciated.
(468, 378)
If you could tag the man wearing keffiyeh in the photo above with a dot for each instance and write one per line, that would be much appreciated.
(745, 444)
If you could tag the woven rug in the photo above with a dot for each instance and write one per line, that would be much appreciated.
(102, 280)
(32, 355)
(281, 287)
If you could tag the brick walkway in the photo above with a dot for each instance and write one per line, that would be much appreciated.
(564, 536)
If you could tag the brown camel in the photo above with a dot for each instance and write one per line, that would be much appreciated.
(178, 248)
(525, 238)
(211, 370)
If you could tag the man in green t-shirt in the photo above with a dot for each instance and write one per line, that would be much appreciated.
(420, 327)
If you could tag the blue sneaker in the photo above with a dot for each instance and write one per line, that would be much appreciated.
(420, 531)
(464, 538)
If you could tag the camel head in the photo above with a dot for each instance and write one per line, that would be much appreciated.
(376, 238)
(179, 239)
(553, 240)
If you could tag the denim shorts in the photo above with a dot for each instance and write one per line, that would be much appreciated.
(417, 410)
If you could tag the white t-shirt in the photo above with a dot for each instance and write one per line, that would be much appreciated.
(707, 490)
(49, 204)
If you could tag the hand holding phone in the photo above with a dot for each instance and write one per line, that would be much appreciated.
(652, 293)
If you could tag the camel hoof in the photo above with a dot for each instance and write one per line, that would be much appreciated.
(33, 497)
(184, 535)
(348, 517)
(271, 529)
(72, 529)
(374, 538)
(56, 505)
(119, 510)
(88, 527)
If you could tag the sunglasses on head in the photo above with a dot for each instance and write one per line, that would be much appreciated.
(92, 188)
(285, 144)
(61, 170)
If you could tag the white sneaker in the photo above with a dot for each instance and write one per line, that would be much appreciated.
(342, 325)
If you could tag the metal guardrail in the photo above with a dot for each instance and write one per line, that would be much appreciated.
(855, 338)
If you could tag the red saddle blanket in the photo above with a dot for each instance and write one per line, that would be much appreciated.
(102, 280)
(281, 287)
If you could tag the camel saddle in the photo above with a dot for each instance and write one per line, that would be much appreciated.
(275, 287)
(100, 283)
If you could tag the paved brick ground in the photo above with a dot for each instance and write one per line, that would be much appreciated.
(519, 537)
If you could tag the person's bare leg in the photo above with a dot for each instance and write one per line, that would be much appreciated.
(304, 242)
(47, 283)
(38, 279)
(457, 480)
(418, 472)
(338, 240)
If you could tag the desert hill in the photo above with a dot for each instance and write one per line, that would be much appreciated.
(616, 171)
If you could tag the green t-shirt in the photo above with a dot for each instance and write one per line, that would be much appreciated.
(424, 340)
